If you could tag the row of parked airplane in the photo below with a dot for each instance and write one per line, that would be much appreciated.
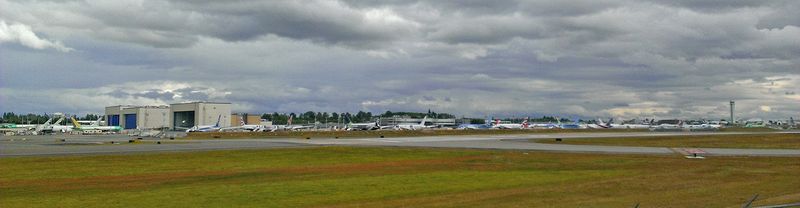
(599, 124)
(49, 126)
(95, 127)
(245, 127)
(350, 126)
(489, 124)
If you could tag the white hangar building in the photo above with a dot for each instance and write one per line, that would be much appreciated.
(138, 117)
(187, 115)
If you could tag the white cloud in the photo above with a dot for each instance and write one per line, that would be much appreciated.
(22, 34)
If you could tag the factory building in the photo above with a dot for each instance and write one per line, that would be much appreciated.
(137, 117)
(187, 115)
(113, 114)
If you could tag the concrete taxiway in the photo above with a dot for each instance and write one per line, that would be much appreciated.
(111, 144)
(77, 144)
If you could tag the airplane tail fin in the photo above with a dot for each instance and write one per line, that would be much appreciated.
(46, 123)
(525, 123)
(97, 122)
(75, 122)
(424, 119)
(58, 121)
(289, 122)
(218, 119)
(241, 120)
(610, 121)
(558, 121)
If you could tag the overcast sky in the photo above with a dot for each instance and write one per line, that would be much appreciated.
(626, 59)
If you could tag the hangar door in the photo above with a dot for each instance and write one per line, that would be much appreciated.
(113, 120)
(183, 119)
(130, 121)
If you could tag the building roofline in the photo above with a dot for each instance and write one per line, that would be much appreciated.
(120, 106)
(151, 106)
(198, 102)
(137, 106)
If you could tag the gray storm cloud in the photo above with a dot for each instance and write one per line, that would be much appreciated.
(621, 58)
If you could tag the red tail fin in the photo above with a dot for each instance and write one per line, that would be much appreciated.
(525, 122)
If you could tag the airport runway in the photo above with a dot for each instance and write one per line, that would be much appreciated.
(522, 142)
(52, 145)
(97, 144)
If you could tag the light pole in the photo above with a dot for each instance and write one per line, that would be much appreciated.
(733, 105)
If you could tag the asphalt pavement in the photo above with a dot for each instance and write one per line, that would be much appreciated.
(115, 144)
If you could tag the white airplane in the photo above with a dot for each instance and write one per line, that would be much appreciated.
(363, 126)
(645, 124)
(630, 126)
(97, 122)
(290, 127)
(636, 126)
(28, 126)
(206, 128)
(413, 126)
(54, 127)
(575, 125)
(95, 126)
(668, 126)
(543, 126)
(91, 123)
(39, 128)
(487, 124)
(252, 127)
(703, 126)
(247, 127)
(610, 125)
(499, 125)
(57, 127)
(599, 124)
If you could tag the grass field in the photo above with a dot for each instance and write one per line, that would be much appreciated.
(393, 177)
(776, 141)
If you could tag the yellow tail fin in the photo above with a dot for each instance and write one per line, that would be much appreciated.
(74, 122)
